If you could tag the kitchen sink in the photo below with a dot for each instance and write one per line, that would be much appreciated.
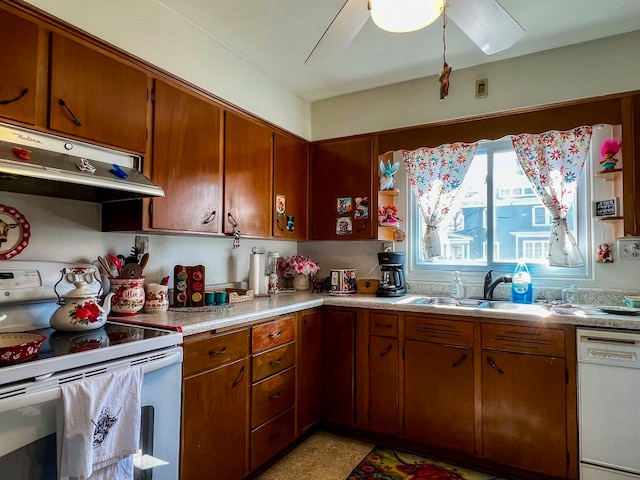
(442, 301)
(498, 305)
(506, 306)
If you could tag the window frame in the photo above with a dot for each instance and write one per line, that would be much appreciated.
(427, 271)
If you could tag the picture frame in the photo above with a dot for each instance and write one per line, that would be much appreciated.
(607, 208)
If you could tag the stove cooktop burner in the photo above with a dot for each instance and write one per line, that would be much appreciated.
(67, 350)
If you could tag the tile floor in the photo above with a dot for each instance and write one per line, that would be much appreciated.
(323, 456)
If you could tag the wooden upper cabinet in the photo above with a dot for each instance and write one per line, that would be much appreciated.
(96, 97)
(186, 161)
(342, 170)
(290, 182)
(18, 57)
(247, 176)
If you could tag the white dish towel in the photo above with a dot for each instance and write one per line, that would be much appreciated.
(101, 426)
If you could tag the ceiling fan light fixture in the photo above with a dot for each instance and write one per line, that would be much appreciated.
(402, 16)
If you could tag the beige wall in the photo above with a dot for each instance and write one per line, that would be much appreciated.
(590, 69)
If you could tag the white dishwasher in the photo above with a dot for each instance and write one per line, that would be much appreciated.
(609, 404)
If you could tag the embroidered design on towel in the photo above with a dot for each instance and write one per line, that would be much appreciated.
(105, 422)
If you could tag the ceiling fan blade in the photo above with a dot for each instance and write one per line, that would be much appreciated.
(485, 22)
(342, 30)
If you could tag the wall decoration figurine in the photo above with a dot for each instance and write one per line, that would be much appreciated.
(388, 216)
(386, 174)
(607, 153)
(604, 253)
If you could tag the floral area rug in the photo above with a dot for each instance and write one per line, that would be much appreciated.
(387, 464)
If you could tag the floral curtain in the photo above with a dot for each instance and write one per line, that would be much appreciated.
(553, 162)
(436, 175)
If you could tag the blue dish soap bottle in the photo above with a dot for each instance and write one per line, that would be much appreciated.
(521, 287)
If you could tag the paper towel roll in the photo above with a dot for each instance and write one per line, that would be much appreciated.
(256, 271)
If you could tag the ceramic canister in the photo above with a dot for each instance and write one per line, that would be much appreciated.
(129, 295)
(157, 298)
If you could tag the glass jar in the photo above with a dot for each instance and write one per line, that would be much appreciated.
(570, 294)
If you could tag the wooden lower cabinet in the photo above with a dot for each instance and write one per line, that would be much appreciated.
(338, 366)
(214, 422)
(524, 400)
(309, 370)
(439, 396)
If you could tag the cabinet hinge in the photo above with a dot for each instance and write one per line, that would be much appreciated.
(566, 376)
(150, 209)
(568, 460)
(152, 96)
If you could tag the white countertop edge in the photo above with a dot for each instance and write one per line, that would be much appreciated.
(260, 308)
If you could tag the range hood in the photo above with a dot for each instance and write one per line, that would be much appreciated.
(40, 164)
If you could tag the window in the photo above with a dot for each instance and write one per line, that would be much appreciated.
(499, 219)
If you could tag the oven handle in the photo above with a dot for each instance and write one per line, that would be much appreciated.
(53, 392)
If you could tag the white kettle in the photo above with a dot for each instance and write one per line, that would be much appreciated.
(79, 308)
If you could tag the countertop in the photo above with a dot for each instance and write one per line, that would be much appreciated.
(254, 311)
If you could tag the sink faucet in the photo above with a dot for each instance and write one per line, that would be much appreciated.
(490, 284)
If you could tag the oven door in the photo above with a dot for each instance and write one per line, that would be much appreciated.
(30, 426)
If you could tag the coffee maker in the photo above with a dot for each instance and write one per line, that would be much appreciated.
(392, 282)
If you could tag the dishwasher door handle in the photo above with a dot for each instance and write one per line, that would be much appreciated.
(612, 355)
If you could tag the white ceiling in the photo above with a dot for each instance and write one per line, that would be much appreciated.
(276, 37)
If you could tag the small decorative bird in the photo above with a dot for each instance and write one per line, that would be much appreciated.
(386, 174)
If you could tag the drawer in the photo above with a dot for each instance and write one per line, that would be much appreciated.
(211, 352)
(538, 341)
(272, 334)
(271, 438)
(447, 332)
(273, 361)
(272, 396)
(383, 324)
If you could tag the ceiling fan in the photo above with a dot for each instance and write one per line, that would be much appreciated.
(485, 22)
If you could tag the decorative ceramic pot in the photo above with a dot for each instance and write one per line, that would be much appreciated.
(301, 282)
(129, 296)
(157, 298)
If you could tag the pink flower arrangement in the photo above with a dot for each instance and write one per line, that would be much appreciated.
(296, 265)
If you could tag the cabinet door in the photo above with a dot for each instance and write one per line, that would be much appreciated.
(524, 411)
(309, 370)
(384, 363)
(339, 170)
(18, 57)
(290, 181)
(439, 395)
(338, 364)
(247, 176)
(215, 424)
(96, 97)
(186, 161)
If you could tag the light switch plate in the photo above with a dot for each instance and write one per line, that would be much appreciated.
(629, 249)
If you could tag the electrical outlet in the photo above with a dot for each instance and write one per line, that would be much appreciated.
(387, 247)
(629, 249)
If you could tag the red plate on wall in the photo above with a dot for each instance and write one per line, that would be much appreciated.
(15, 232)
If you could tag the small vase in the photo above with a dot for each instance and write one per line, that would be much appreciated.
(301, 282)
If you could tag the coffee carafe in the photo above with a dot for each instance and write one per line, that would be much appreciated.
(392, 283)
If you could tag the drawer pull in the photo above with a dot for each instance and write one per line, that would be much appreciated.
(494, 366)
(275, 436)
(460, 361)
(386, 351)
(276, 362)
(276, 395)
(275, 335)
(239, 377)
(218, 352)
(383, 325)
